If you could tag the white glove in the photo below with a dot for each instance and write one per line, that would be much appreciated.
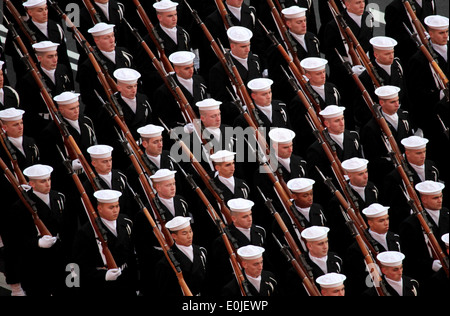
(437, 265)
(113, 274)
(46, 241)
(358, 69)
(76, 165)
(16, 290)
(188, 128)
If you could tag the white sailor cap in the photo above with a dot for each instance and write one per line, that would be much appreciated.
(150, 131)
(239, 34)
(383, 42)
(38, 172)
(182, 58)
(315, 233)
(387, 92)
(313, 63)
(240, 205)
(107, 196)
(67, 97)
(331, 280)
(332, 111)
(299, 185)
(294, 12)
(101, 28)
(165, 6)
(11, 114)
(208, 104)
(45, 46)
(437, 22)
(414, 142)
(127, 75)
(429, 187)
(222, 156)
(375, 210)
(250, 252)
(163, 175)
(178, 222)
(444, 238)
(355, 164)
(100, 151)
(34, 3)
(281, 135)
(260, 84)
(391, 258)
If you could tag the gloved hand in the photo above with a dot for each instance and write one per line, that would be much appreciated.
(76, 165)
(16, 290)
(113, 274)
(46, 241)
(188, 128)
(437, 265)
(358, 69)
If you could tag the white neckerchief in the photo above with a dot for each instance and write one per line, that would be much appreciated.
(156, 160)
(356, 18)
(245, 231)
(381, 238)
(396, 285)
(169, 204)
(235, 11)
(2, 96)
(256, 282)
(18, 143)
(111, 225)
(215, 131)
(321, 262)
(386, 68)
(320, 90)
(44, 197)
(360, 191)
(105, 8)
(300, 38)
(267, 110)
(50, 73)
(434, 215)
(187, 250)
(393, 119)
(171, 32)
(107, 178)
(420, 171)
(187, 83)
(110, 55)
(131, 103)
(75, 125)
(339, 139)
(229, 182)
(304, 211)
(42, 27)
(441, 49)
(243, 61)
(285, 162)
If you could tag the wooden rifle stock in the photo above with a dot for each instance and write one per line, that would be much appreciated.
(297, 260)
(224, 14)
(92, 215)
(154, 36)
(92, 12)
(29, 204)
(23, 26)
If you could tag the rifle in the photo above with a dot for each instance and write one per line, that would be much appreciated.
(11, 152)
(157, 209)
(69, 142)
(19, 20)
(92, 12)
(229, 241)
(23, 195)
(216, 192)
(168, 252)
(95, 221)
(401, 167)
(297, 260)
(224, 14)
(154, 36)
